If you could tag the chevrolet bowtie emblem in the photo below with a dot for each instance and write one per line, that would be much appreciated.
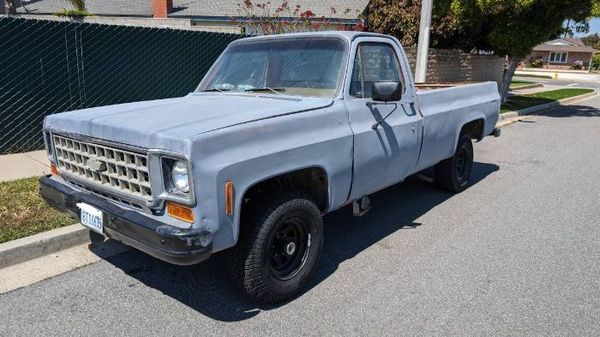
(96, 165)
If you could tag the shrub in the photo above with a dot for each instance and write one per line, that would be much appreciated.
(596, 61)
(78, 11)
(577, 65)
(73, 13)
(263, 18)
(536, 62)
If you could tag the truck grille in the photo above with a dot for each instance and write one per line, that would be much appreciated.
(111, 169)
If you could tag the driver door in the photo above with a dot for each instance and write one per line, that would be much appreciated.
(387, 153)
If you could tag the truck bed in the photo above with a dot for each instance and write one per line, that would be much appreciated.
(446, 110)
(442, 85)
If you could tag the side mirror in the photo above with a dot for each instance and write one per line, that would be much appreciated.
(386, 91)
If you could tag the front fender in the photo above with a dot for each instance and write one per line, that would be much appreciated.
(250, 153)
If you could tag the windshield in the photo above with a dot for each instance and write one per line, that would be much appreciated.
(300, 67)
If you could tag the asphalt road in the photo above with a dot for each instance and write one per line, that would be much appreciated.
(518, 253)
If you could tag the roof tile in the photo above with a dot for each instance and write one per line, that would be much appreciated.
(190, 8)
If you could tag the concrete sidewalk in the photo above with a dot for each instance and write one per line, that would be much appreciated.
(561, 75)
(23, 165)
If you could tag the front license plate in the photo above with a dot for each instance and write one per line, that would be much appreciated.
(91, 217)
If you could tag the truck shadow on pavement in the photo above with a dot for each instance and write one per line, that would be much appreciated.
(208, 288)
(569, 111)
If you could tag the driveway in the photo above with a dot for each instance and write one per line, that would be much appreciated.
(515, 254)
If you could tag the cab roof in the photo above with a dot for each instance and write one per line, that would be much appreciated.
(346, 35)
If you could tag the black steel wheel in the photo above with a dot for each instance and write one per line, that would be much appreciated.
(289, 247)
(280, 242)
(454, 173)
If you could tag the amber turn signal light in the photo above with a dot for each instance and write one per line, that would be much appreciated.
(180, 212)
(54, 170)
(229, 198)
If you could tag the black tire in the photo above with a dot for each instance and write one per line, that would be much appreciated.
(453, 174)
(258, 269)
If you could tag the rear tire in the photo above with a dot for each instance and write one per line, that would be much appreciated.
(453, 174)
(280, 242)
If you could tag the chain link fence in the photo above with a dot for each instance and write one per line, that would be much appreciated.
(48, 67)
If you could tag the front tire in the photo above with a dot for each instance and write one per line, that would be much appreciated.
(453, 174)
(280, 242)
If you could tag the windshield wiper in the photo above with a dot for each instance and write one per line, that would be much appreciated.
(274, 90)
(214, 89)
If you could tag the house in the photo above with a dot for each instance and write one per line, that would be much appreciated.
(210, 15)
(564, 53)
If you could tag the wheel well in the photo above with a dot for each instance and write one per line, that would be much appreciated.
(473, 129)
(312, 181)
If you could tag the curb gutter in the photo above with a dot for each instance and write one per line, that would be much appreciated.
(31, 247)
(513, 116)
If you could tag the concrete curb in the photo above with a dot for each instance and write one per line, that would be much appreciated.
(528, 86)
(513, 116)
(31, 247)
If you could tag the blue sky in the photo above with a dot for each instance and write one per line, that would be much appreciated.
(594, 27)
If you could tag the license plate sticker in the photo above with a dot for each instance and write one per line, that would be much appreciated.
(91, 217)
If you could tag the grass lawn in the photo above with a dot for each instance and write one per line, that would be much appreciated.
(524, 101)
(534, 76)
(23, 213)
(517, 84)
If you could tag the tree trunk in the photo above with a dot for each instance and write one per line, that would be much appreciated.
(509, 72)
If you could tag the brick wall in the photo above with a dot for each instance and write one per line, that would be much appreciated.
(446, 65)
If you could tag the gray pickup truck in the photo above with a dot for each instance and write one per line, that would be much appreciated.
(282, 130)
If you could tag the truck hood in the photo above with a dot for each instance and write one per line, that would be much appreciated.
(168, 123)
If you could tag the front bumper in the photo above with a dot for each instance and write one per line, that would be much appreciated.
(168, 243)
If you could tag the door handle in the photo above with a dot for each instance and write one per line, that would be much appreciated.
(412, 108)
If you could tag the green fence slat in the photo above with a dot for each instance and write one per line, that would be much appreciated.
(53, 66)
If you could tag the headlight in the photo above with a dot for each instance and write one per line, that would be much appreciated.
(176, 177)
(180, 176)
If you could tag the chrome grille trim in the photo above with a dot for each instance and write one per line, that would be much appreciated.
(110, 168)
(110, 197)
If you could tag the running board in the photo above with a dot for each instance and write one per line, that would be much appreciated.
(361, 206)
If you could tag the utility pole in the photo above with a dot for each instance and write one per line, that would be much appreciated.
(423, 44)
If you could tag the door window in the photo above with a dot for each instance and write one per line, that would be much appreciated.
(374, 62)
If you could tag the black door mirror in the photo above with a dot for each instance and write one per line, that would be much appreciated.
(386, 91)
